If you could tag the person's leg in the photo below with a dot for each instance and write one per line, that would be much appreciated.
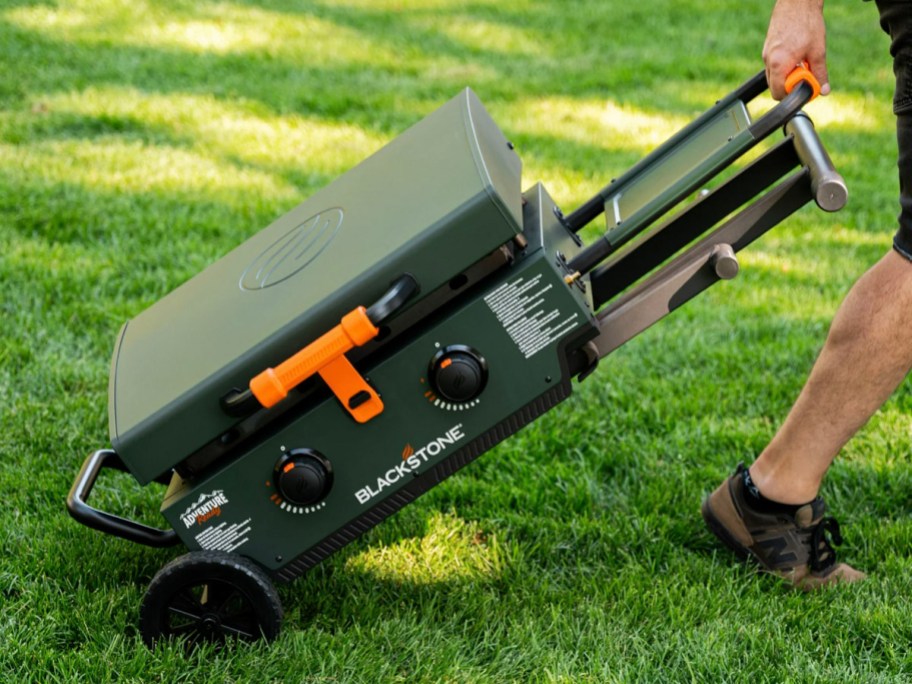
(869, 349)
(867, 354)
(771, 512)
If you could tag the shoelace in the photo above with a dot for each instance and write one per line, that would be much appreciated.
(822, 553)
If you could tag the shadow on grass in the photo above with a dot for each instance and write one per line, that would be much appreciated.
(386, 98)
(355, 92)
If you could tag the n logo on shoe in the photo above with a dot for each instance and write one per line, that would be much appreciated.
(778, 556)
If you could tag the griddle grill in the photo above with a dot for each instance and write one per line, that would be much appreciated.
(398, 324)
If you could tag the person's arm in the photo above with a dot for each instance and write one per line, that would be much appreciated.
(796, 34)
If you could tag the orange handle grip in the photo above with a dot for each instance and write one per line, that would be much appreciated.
(799, 74)
(273, 384)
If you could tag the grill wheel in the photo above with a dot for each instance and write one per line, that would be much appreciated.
(210, 596)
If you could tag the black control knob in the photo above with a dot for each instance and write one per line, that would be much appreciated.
(303, 477)
(458, 373)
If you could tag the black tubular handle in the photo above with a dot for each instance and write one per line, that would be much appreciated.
(802, 89)
(592, 208)
(241, 402)
(107, 522)
(788, 107)
(402, 290)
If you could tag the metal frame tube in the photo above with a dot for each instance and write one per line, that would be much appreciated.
(827, 186)
(775, 118)
(614, 277)
(697, 268)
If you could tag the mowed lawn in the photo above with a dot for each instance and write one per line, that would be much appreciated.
(140, 141)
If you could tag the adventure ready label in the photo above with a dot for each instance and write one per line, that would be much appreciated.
(216, 536)
(207, 506)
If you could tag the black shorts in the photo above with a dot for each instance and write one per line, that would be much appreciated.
(896, 20)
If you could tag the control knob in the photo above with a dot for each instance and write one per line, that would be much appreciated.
(458, 373)
(303, 477)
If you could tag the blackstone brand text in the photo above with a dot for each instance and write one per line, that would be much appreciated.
(411, 461)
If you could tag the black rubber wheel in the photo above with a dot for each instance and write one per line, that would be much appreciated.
(210, 596)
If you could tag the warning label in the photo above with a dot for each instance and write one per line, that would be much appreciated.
(529, 320)
(224, 537)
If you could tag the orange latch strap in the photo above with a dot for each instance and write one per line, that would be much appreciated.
(326, 356)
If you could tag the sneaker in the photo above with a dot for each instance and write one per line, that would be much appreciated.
(795, 547)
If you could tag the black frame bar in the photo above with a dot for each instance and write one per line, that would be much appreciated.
(601, 249)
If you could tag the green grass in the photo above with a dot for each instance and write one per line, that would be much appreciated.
(140, 141)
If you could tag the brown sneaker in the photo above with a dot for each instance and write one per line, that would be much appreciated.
(794, 547)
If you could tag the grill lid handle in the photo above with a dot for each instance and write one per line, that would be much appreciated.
(326, 356)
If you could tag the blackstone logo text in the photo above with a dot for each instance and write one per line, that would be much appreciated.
(411, 461)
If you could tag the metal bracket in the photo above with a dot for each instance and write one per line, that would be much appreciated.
(705, 263)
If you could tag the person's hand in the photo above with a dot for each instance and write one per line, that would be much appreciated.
(796, 34)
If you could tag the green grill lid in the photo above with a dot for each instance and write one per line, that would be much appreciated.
(431, 202)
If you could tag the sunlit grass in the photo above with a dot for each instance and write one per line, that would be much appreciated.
(396, 6)
(598, 122)
(135, 167)
(850, 112)
(246, 133)
(474, 34)
(216, 28)
(124, 140)
(451, 549)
